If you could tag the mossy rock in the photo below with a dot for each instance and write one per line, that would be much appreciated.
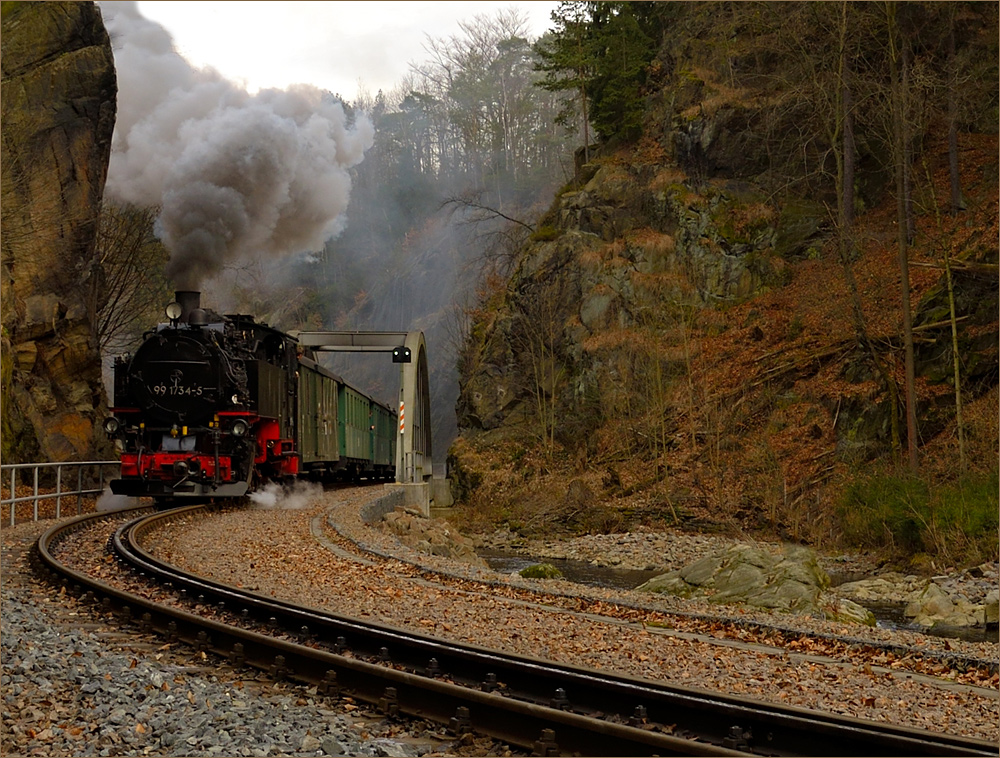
(800, 229)
(541, 571)
(848, 612)
(546, 233)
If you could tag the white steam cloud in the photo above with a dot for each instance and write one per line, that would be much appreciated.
(108, 501)
(274, 496)
(238, 176)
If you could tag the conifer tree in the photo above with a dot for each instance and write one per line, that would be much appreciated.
(567, 60)
(622, 51)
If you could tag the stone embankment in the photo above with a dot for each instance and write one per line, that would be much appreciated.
(432, 536)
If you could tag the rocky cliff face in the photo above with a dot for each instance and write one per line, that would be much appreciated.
(684, 343)
(633, 250)
(58, 100)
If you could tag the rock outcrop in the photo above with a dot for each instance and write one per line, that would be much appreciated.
(746, 575)
(58, 100)
(935, 607)
(991, 608)
(606, 256)
(431, 536)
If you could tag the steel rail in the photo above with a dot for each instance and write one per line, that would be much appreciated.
(546, 730)
(710, 717)
(558, 705)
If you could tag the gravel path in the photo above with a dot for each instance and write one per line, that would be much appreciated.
(275, 553)
(75, 686)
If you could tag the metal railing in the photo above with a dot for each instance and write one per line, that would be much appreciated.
(9, 475)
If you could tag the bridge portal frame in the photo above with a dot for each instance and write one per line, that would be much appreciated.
(414, 464)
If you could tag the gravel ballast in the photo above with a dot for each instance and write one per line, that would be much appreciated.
(73, 685)
(55, 703)
(274, 552)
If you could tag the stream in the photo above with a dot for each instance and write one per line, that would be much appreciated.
(887, 615)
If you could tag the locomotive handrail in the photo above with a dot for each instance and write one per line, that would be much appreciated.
(15, 468)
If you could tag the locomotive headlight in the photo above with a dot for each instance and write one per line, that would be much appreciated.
(174, 311)
(240, 428)
(111, 425)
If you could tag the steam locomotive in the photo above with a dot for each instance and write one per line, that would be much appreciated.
(212, 406)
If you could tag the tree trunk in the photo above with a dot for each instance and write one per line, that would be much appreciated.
(899, 137)
(957, 204)
(911, 231)
(582, 73)
(945, 243)
(849, 152)
(844, 127)
(956, 366)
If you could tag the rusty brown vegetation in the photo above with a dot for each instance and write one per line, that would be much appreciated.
(727, 418)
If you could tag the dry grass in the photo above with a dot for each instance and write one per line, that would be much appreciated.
(667, 177)
(718, 94)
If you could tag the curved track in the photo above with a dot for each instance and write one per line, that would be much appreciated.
(549, 708)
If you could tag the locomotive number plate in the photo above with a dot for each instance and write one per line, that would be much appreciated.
(177, 390)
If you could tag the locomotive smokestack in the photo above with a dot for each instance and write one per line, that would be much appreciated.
(189, 300)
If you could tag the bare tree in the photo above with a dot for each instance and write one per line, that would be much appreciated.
(957, 203)
(125, 283)
(944, 244)
(541, 330)
(498, 235)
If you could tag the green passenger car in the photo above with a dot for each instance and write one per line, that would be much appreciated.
(353, 430)
(317, 416)
(342, 432)
(383, 436)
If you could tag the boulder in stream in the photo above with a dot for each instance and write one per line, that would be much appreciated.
(743, 574)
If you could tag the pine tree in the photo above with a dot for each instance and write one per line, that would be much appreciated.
(567, 60)
(622, 51)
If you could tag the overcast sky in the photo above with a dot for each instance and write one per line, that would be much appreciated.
(334, 45)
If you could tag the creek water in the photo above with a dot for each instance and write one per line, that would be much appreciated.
(887, 615)
(580, 572)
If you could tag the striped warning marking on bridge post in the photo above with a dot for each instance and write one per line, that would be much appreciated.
(402, 417)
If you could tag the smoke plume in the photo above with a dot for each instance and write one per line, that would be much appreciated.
(108, 501)
(237, 176)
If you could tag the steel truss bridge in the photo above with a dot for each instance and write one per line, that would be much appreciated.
(413, 449)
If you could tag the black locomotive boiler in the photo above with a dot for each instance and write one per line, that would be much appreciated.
(212, 406)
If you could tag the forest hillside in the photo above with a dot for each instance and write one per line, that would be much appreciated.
(709, 327)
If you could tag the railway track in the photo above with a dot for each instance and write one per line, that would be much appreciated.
(548, 708)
